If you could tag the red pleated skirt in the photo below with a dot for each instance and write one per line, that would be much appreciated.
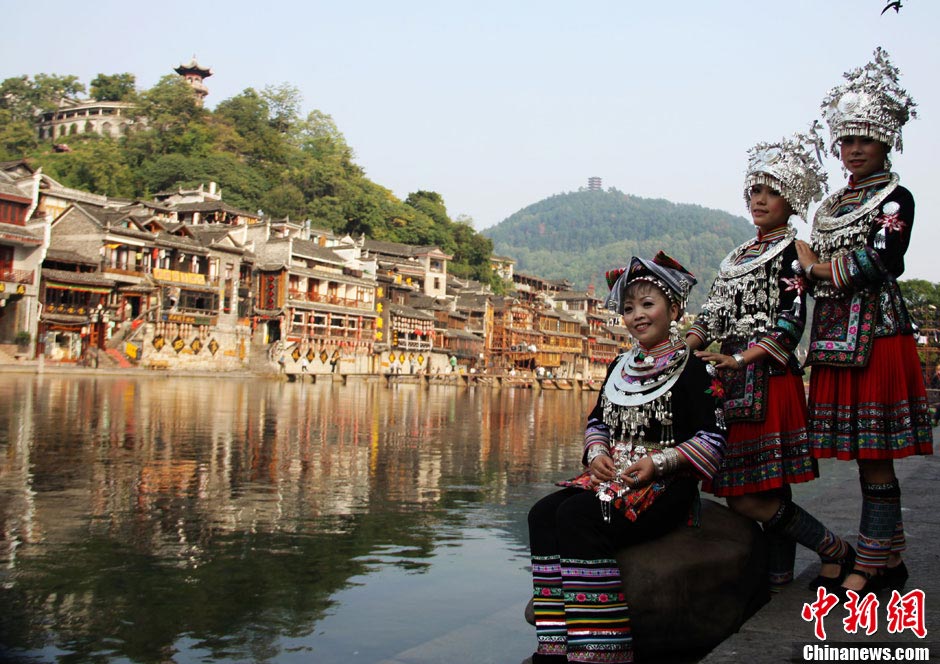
(760, 456)
(874, 412)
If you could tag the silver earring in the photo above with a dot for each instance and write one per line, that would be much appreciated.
(674, 332)
(888, 164)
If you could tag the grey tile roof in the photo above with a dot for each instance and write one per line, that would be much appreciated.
(398, 249)
(189, 244)
(213, 206)
(308, 249)
(462, 334)
(409, 312)
(149, 205)
(86, 278)
(22, 163)
(66, 256)
(65, 319)
(575, 295)
(8, 189)
(16, 232)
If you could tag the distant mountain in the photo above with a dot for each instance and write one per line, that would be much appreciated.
(580, 235)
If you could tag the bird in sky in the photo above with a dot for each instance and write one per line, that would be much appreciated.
(896, 6)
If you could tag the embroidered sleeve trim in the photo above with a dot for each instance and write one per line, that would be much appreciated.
(704, 452)
(774, 350)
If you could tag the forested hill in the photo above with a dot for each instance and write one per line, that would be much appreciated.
(258, 146)
(580, 235)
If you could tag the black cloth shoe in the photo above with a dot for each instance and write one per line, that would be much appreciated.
(546, 659)
(893, 578)
(832, 584)
(872, 585)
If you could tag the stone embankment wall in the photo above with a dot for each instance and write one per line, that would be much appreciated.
(192, 347)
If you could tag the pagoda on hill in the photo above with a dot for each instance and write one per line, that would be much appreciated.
(195, 74)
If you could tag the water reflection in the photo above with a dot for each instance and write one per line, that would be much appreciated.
(159, 519)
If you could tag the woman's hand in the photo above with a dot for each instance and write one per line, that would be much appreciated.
(720, 360)
(639, 474)
(805, 254)
(602, 469)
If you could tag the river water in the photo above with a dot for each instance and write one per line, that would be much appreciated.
(158, 519)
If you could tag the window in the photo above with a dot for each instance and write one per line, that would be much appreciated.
(61, 297)
(199, 301)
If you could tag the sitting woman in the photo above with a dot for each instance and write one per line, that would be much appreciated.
(652, 435)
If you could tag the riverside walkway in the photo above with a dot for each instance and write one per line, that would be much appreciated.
(463, 379)
(778, 633)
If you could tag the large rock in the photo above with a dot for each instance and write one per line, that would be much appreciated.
(692, 588)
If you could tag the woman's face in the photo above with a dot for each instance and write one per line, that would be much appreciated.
(768, 208)
(862, 156)
(647, 313)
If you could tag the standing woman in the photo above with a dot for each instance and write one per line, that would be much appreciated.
(652, 435)
(756, 310)
(867, 399)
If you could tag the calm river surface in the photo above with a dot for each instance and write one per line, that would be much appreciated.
(156, 519)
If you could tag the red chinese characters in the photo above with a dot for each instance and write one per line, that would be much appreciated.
(903, 612)
(907, 612)
(818, 610)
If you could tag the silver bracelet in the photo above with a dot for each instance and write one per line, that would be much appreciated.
(739, 358)
(672, 460)
(659, 463)
(808, 271)
(596, 450)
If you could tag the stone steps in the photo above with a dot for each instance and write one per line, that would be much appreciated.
(8, 353)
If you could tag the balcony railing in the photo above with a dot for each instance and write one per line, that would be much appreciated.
(142, 270)
(413, 344)
(302, 296)
(124, 271)
(18, 276)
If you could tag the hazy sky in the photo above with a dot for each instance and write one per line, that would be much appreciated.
(497, 105)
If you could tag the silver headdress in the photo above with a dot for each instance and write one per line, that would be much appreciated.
(792, 166)
(870, 103)
(663, 271)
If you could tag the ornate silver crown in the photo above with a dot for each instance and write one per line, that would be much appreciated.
(870, 103)
(792, 166)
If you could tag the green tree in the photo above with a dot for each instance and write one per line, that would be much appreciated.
(114, 87)
(25, 98)
(95, 164)
(923, 301)
(284, 200)
(176, 123)
(17, 137)
(319, 136)
(284, 103)
(255, 139)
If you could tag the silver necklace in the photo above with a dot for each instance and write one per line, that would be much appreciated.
(728, 269)
(826, 222)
